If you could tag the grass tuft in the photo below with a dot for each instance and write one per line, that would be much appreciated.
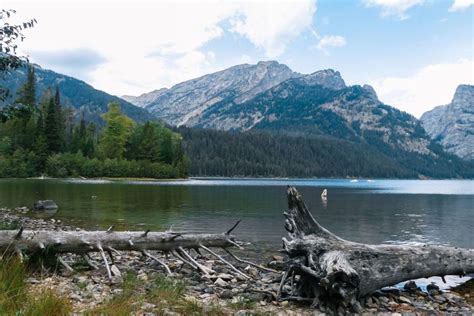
(16, 300)
(12, 284)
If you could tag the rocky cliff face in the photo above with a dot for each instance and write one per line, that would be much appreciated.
(327, 78)
(144, 99)
(452, 125)
(185, 102)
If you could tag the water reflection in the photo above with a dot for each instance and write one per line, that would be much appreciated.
(370, 212)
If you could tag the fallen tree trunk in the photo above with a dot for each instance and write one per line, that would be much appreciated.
(45, 243)
(82, 242)
(335, 273)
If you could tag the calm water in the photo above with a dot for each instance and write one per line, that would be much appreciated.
(367, 211)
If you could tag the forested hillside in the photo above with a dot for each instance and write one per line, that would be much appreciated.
(264, 154)
(42, 138)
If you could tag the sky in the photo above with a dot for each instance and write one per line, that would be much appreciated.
(413, 52)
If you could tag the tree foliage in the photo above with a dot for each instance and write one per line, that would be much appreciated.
(116, 132)
(265, 154)
(40, 142)
(10, 34)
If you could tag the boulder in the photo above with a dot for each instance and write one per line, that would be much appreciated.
(45, 205)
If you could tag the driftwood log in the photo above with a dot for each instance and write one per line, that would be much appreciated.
(335, 273)
(31, 243)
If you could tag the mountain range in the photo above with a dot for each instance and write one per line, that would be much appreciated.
(271, 98)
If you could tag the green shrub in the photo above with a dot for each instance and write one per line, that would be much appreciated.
(55, 166)
(92, 168)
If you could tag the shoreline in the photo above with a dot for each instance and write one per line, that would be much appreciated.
(237, 178)
(223, 293)
(244, 178)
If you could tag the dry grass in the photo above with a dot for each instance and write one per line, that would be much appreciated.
(16, 300)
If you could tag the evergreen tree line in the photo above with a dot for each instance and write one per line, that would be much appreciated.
(42, 138)
(265, 154)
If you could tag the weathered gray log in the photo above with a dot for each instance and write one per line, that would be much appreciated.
(82, 242)
(336, 273)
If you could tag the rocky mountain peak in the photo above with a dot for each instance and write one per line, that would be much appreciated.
(464, 96)
(327, 78)
(452, 125)
(184, 102)
(370, 90)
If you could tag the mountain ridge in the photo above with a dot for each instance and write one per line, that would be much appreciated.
(317, 104)
(186, 100)
(77, 94)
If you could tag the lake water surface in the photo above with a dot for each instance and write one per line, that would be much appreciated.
(369, 211)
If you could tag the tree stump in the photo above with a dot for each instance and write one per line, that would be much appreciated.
(335, 273)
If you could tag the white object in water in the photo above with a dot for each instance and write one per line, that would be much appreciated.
(324, 195)
(354, 180)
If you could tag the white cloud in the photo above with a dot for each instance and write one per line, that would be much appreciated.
(330, 41)
(428, 87)
(271, 25)
(460, 5)
(150, 44)
(394, 8)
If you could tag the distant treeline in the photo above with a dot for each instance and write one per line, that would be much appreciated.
(43, 138)
(264, 154)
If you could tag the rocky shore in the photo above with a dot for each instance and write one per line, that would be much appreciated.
(223, 293)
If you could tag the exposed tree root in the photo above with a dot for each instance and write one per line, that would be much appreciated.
(335, 273)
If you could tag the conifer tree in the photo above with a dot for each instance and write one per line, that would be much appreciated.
(116, 132)
(40, 146)
(27, 93)
(22, 121)
(52, 128)
(60, 122)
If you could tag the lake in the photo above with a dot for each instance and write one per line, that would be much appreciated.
(369, 211)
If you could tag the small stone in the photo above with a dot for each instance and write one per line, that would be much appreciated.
(226, 294)
(440, 299)
(32, 281)
(253, 272)
(278, 258)
(432, 286)
(403, 299)
(410, 286)
(284, 303)
(75, 297)
(148, 306)
(115, 271)
(142, 277)
(225, 276)
(433, 292)
(117, 291)
(220, 282)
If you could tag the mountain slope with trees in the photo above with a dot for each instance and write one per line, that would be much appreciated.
(80, 97)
